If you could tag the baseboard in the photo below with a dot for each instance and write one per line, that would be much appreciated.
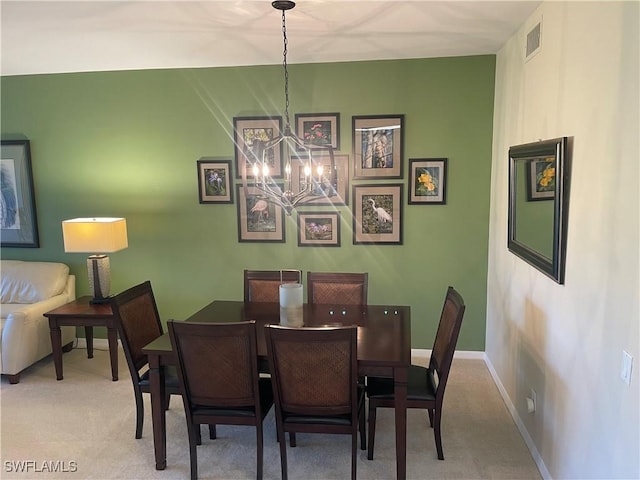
(417, 353)
(424, 354)
(519, 423)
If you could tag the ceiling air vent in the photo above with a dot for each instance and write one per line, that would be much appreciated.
(534, 41)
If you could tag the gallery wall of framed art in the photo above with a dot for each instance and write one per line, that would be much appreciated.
(360, 185)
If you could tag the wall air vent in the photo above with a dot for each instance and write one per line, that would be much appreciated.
(534, 41)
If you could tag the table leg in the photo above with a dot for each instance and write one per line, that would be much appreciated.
(88, 335)
(56, 347)
(112, 335)
(400, 376)
(158, 400)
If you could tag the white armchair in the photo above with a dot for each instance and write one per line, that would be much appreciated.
(27, 291)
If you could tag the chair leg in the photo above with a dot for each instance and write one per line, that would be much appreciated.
(212, 432)
(283, 454)
(363, 430)
(430, 412)
(292, 439)
(372, 429)
(259, 451)
(354, 458)
(436, 432)
(167, 401)
(193, 430)
(139, 411)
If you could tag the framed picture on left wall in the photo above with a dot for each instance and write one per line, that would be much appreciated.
(18, 216)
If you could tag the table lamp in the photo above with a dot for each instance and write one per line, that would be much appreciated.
(90, 235)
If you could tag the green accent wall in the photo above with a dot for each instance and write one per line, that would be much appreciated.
(126, 144)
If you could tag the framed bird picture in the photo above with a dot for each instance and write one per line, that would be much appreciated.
(377, 214)
(258, 220)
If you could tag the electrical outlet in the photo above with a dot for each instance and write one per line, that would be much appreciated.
(534, 397)
(532, 401)
(627, 365)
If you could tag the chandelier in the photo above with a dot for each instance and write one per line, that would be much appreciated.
(313, 180)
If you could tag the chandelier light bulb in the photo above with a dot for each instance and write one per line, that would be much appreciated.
(320, 170)
(307, 170)
(265, 170)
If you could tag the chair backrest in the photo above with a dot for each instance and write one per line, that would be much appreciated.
(136, 312)
(444, 345)
(217, 363)
(314, 370)
(263, 285)
(337, 288)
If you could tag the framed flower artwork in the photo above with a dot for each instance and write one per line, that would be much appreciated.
(541, 179)
(428, 181)
(319, 129)
(318, 229)
(214, 181)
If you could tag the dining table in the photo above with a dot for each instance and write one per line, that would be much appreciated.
(383, 350)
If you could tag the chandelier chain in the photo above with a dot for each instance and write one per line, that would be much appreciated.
(286, 72)
(313, 181)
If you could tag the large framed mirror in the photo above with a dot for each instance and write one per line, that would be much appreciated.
(538, 204)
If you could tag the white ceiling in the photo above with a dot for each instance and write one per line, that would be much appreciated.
(50, 36)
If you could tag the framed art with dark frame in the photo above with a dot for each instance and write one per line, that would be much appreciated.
(327, 193)
(250, 135)
(319, 129)
(541, 179)
(377, 214)
(318, 229)
(214, 181)
(18, 218)
(428, 181)
(258, 220)
(377, 146)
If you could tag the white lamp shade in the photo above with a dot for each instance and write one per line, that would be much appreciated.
(94, 235)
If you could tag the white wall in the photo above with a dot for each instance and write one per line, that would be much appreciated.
(566, 341)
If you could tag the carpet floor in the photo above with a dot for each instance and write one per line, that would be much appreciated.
(83, 428)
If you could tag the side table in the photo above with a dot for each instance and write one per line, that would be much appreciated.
(82, 313)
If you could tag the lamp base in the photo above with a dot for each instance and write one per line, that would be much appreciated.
(99, 278)
(100, 300)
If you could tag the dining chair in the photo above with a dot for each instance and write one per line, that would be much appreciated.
(218, 374)
(263, 285)
(425, 386)
(138, 323)
(337, 288)
(314, 374)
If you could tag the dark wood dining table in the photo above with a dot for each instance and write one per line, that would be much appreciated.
(384, 350)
